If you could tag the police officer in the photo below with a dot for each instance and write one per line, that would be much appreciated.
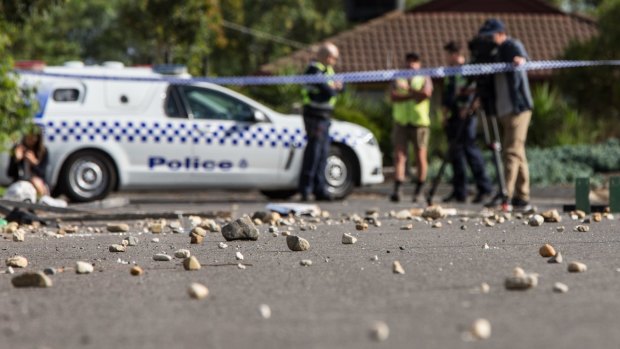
(318, 106)
(458, 104)
(411, 114)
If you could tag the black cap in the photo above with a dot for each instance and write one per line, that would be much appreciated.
(492, 26)
(452, 47)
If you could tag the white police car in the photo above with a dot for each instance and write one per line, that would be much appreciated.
(106, 135)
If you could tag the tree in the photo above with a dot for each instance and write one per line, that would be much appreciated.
(163, 31)
(16, 106)
(596, 91)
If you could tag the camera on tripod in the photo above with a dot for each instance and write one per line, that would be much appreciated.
(483, 49)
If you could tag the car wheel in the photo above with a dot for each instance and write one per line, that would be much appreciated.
(279, 194)
(87, 176)
(340, 172)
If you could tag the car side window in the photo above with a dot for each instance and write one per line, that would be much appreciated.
(66, 95)
(209, 104)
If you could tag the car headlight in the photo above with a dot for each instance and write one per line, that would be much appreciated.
(369, 139)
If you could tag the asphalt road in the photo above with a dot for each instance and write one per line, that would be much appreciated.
(331, 304)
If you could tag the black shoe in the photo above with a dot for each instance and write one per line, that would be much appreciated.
(453, 198)
(481, 197)
(496, 201)
(520, 204)
(395, 197)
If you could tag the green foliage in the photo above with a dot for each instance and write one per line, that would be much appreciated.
(16, 105)
(596, 91)
(564, 164)
(555, 122)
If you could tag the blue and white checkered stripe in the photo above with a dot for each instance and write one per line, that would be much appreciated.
(182, 133)
(365, 76)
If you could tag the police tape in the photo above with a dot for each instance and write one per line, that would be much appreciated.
(353, 77)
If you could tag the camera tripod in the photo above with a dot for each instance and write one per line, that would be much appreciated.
(492, 140)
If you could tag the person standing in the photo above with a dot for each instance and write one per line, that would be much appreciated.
(458, 104)
(318, 106)
(411, 114)
(513, 103)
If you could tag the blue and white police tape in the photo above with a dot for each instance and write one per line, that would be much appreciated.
(363, 76)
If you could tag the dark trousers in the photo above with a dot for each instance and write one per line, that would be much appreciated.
(463, 150)
(312, 179)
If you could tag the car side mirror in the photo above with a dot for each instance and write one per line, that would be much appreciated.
(259, 116)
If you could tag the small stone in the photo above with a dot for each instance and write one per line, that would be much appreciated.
(403, 214)
(286, 233)
(488, 223)
(547, 251)
(481, 329)
(305, 262)
(556, 259)
(117, 248)
(117, 227)
(17, 262)
(361, 226)
(437, 225)
(9, 270)
(559, 287)
(552, 216)
(162, 257)
(433, 212)
(241, 266)
(348, 239)
(560, 229)
(196, 239)
(295, 243)
(485, 288)
(397, 268)
(199, 231)
(273, 229)
(155, 240)
(582, 228)
(30, 279)
(577, 267)
(521, 280)
(197, 291)
(136, 271)
(157, 227)
(597, 217)
(486, 246)
(463, 227)
(374, 258)
(18, 235)
(240, 229)
(265, 311)
(191, 263)
(239, 256)
(536, 220)
(83, 267)
(379, 331)
(407, 227)
(49, 271)
(222, 245)
(182, 253)
(579, 213)
(132, 241)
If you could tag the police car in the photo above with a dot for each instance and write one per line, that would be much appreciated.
(121, 134)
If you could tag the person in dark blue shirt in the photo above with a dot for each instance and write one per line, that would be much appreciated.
(458, 104)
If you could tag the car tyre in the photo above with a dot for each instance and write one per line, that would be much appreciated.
(340, 172)
(87, 176)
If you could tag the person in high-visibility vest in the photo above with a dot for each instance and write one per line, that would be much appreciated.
(411, 113)
(319, 101)
(461, 125)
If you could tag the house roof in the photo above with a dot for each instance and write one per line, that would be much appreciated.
(383, 42)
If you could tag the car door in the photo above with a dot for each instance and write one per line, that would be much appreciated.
(231, 147)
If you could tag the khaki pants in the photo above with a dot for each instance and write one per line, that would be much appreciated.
(515, 163)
